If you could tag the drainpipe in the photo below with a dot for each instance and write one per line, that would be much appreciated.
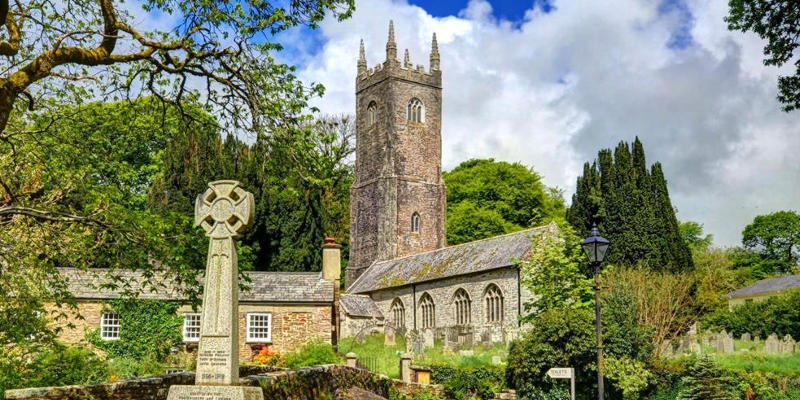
(414, 303)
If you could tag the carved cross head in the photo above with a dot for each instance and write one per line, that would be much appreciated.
(224, 210)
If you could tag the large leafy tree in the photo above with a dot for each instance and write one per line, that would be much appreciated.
(631, 205)
(776, 239)
(777, 22)
(487, 198)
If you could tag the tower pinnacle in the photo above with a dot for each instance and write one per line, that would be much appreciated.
(407, 60)
(362, 59)
(434, 54)
(391, 46)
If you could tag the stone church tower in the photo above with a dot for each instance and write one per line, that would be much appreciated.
(397, 202)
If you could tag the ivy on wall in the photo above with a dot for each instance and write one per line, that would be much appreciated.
(149, 329)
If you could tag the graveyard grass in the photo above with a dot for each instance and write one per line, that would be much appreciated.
(754, 360)
(386, 360)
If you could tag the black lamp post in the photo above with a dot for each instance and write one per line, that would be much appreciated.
(595, 247)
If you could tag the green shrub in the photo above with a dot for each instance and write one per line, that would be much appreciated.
(150, 329)
(313, 353)
(126, 367)
(779, 314)
(558, 338)
(468, 383)
(704, 381)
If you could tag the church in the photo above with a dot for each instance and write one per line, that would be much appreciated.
(401, 272)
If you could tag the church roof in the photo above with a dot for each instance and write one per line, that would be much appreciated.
(359, 305)
(265, 287)
(766, 286)
(467, 258)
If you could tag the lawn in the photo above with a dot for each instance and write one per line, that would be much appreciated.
(386, 360)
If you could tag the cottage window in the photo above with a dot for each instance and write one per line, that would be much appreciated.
(398, 312)
(372, 114)
(493, 302)
(191, 327)
(259, 327)
(415, 220)
(462, 307)
(109, 326)
(416, 111)
(428, 311)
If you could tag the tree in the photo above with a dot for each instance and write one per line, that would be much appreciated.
(776, 238)
(777, 22)
(632, 208)
(505, 197)
(692, 233)
(704, 381)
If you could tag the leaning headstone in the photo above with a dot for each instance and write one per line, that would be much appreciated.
(788, 344)
(772, 345)
(389, 334)
(746, 337)
(427, 336)
(224, 210)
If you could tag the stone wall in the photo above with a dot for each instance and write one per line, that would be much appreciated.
(292, 325)
(442, 292)
(155, 388)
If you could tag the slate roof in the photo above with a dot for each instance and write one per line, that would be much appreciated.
(359, 305)
(265, 287)
(467, 258)
(765, 286)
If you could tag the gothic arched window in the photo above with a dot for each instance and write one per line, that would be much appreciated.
(462, 307)
(416, 111)
(493, 303)
(415, 223)
(428, 311)
(398, 312)
(372, 114)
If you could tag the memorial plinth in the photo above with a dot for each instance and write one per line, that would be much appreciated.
(224, 211)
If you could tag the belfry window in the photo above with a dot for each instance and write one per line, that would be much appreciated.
(462, 307)
(428, 311)
(372, 114)
(398, 313)
(416, 111)
(493, 304)
(415, 223)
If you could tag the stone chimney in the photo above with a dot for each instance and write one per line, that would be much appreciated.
(331, 260)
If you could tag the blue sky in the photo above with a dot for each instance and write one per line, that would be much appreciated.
(548, 84)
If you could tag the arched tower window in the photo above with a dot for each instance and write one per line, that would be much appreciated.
(416, 111)
(462, 307)
(398, 312)
(493, 303)
(372, 113)
(415, 222)
(428, 311)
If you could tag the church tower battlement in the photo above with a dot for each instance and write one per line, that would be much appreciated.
(397, 202)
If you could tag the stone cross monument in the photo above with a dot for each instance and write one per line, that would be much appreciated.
(224, 210)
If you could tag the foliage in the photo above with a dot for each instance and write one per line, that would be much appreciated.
(557, 338)
(150, 328)
(267, 357)
(630, 376)
(468, 383)
(705, 381)
(313, 353)
(632, 208)
(692, 233)
(553, 272)
(487, 197)
(716, 277)
(776, 22)
(56, 365)
(776, 238)
(625, 337)
(779, 314)
(126, 367)
(665, 302)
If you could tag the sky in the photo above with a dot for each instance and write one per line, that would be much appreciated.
(550, 82)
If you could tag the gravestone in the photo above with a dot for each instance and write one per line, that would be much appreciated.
(756, 339)
(666, 348)
(787, 345)
(224, 210)
(746, 337)
(496, 360)
(427, 336)
(713, 339)
(772, 345)
(726, 342)
(389, 334)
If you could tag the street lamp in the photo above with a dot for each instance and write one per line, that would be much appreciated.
(595, 247)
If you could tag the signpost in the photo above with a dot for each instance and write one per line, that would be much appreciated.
(564, 373)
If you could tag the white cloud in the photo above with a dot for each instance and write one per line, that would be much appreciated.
(554, 89)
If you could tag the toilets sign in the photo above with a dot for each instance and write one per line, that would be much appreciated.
(564, 373)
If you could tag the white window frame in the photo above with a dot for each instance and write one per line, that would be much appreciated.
(250, 321)
(110, 323)
(189, 323)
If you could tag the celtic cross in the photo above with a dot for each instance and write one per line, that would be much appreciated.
(224, 211)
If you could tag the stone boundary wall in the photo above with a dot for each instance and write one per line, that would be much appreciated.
(311, 383)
